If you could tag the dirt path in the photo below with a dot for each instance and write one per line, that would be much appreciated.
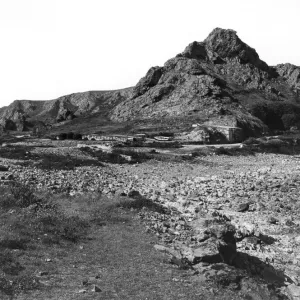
(119, 258)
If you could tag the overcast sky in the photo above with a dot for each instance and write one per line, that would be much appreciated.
(50, 48)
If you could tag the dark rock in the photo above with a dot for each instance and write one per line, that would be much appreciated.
(134, 194)
(43, 273)
(150, 80)
(195, 50)
(226, 243)
(4, 168)
(243, 207)
(96, 289)
(228, 45)
(207, 252)
(272, 220)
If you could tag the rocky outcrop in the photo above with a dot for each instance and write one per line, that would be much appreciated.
(151, 79)
(226, 45)
(23, 114)
(220, 76)
(291, 74)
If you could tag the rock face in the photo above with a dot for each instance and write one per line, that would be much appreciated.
(23, 114)
(292, 75)
(221, 78)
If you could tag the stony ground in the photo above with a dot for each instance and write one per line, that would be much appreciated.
(257, 195)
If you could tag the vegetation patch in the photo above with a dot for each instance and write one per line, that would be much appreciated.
(16, 152)
(29, 224)
(59, 162)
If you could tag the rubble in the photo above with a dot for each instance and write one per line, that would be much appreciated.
(204, 225)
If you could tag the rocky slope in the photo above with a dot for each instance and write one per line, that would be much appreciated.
(217, 77)
(221, 80)
(23, 113)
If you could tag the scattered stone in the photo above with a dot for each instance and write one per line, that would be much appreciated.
(243, 207)
(134, 194)
(207, 252)
(85, 282)
(43, 273)
(226, 244)
(167, 250)
(96, 289)
(272, 220)
(293, 292)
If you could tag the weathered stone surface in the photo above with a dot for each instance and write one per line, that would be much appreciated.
(215, 79)
(208, 77)
(134, 194)
(268, 251)
(96, 289)
(207, 252)
(293, 292)
(243, 207)
(167, 250)
(23, 113)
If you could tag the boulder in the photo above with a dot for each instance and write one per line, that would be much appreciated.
(134, 194)
(243, 207)
(207, 252)
(293, 292)
(226, 243)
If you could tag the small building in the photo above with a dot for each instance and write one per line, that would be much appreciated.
(219, 133)
(232, 134)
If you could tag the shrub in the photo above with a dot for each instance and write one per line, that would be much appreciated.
(77, 136)
(50, 223)
(289, 120)
(140, 203)
(23, 195)
(8, 264)
(70, 135)
(222, 151)
(18, 195)
(102, 156)
(62, 136)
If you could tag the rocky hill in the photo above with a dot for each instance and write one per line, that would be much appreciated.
(220, 80)
(22, 114)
